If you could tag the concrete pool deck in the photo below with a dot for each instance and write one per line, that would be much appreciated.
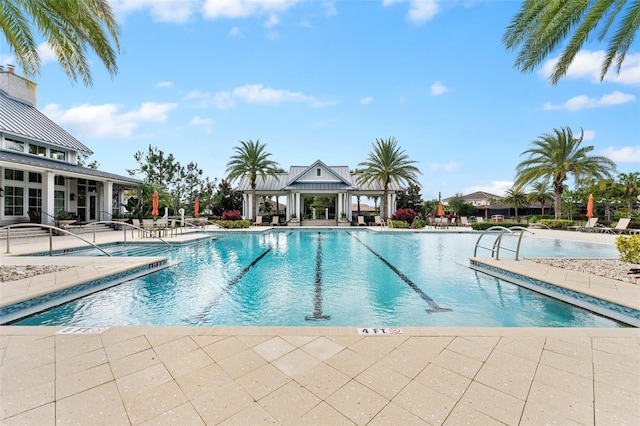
(315, 375)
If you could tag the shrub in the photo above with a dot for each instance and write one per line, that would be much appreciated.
(234, 224)
(406, 215)
(400, 224)
(418, 224)
(629, 248)
(486, 225)
(556, 223)
(231, 215)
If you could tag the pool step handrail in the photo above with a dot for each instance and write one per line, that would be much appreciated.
(495, 249)
(51, 228)
(124, 228)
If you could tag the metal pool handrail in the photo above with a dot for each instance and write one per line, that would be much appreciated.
(51, 228)
(124, 228)
(495, 250)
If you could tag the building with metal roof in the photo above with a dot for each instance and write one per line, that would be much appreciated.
(318, 179)
(39, 171)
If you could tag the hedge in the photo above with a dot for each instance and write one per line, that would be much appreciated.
(557, 223)
(629, 248)
(234, 224)
(486, 225)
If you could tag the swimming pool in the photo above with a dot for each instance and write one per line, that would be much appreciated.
(330, 278)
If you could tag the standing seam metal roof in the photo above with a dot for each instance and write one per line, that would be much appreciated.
(20, 119)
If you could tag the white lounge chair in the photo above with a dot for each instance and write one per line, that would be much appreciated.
(258, 221)
(620, 228)
(275, 221)
(377, 221)
(464, 221)
(361, 221)
(590, 225)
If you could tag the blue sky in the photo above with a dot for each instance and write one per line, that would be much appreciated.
(321, 80)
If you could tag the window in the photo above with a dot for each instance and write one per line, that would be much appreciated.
(35, 199)
(13, 145)
(58, 201)
(37, 150)
(13, 201)
(57, 155)
(35, 177)
(11, 174)
(58, 180)
(318, 172)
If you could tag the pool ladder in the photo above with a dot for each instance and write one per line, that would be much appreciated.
(495, 249)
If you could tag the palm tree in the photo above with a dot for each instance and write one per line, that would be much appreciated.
(516, 197)
(541, 25)
(630, 188)
(252, 161)
(387, 164)
(71, 27)
(556, 155)
(540, 194)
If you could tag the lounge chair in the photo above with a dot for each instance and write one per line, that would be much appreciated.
(149, 227)
(361, 221)
(620, 228)
(464, 221)
(590, 225)
(377, 221)
(136, 223)
(275, 221)
(479, 219)
(258, 221)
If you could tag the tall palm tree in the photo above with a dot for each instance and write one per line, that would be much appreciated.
(542, 25)
(630, 188)
(556, 155)
(540, 194)
(70, 27)
(516, 197)
(252, 161)
(387, 164)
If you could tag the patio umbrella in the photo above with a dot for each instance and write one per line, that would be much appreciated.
(154, 203)
(196, 207)
(590, 206)
(440, 209)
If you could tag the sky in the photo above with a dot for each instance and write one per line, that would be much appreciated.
(322, 80)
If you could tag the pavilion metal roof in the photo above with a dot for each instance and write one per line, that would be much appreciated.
(20, 119)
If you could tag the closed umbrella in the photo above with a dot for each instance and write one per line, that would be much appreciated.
(440, 209)
(590, 206)
(196, 207)
(154, 203)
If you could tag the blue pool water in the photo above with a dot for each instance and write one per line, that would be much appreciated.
(331, 278)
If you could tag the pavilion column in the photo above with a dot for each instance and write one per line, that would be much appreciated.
(48, 202)
(394, 200)
(297, 205)
(244, 205)
(340, 199)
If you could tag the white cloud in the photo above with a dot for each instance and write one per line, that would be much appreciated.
(588, 135)
(215, 9)
(420, 11)
(438, 88)
(451, 166)
(258, 94)
(106, 121)
(235, 32)
(330, 9)
(46, 53)
(366, 100)
(626, 154)
(587, 65)
(177, 11)
(272, 22)
(164, 85)
(199, 121)
(496, 187)
(584, 102)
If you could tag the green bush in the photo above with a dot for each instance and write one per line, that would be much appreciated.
(234, 224)
(399, 224)
(557, 223)
(418, 224)
(486, 225)
(629, 248)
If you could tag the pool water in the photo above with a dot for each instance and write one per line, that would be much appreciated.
(331, 278)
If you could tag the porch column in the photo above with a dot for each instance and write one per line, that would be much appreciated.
(244, 205)
(107, 201)
(349, 201)
(297, 206)
(48, 203)
(394, 204)
(339, 197)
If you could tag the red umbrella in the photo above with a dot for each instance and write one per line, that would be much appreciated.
(440, 209)
(154, 201)
(196, 208)
(590, 206)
